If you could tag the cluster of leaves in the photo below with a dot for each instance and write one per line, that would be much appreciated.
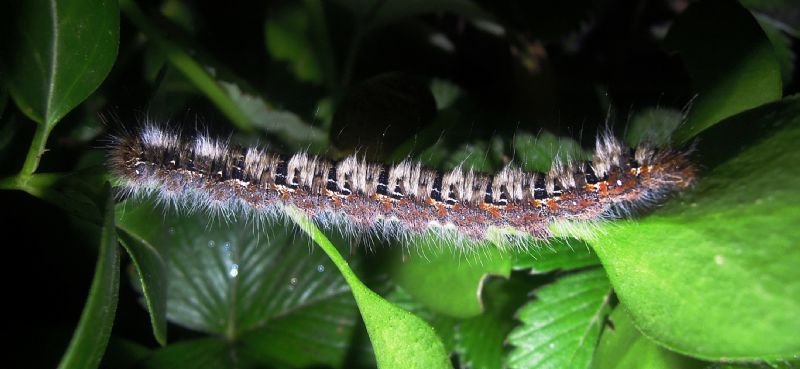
(711, 280)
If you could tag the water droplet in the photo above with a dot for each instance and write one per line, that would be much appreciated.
(234, 270)
(552, 345)
(211, 243)
(226, 247)
(293, 281)
(171, 231)
(320, 268)
(719, 259)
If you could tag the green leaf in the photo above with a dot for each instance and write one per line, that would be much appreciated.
(399, 339)
(782, 44)
(204, 353)
(715, 275)
(245, 108)
(90, 338)
(561, 327)
(537, 152)
(59, 52)
(730, 61)
(286, 33)
(622, 346)
(557, 254)
(249, 285)
(448, 282)
(654, 126)
(480, 341)
(151, 271)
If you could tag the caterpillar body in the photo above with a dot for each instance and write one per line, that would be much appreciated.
(199, 172)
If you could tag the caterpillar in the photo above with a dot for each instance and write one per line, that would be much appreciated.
(199, 172)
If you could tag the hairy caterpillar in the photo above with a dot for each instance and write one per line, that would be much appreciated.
(398, 200)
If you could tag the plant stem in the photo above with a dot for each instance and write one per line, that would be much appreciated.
(35, 153)
(316, 235)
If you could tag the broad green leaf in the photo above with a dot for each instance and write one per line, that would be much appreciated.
(715, 275)
(480, 341)
(730, 61)
(556, 254)
(151, 271)
(249, 284)
(90, 338)
(58, 53)
(399, 339)
(237, 101)
(561, 327)
(623, 347)
(450, 282)
(443, 325)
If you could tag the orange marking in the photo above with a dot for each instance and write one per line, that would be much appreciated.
(552, 204)
(603, 188)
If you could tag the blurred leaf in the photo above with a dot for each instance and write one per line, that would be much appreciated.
(448, 282)
(542, 20)
(287, 36)
(536, 153)
(399, 339)
(731, 62)
(59, 52)
(562, 326)
(622, 346)
(558, 254)
(151, 271)
(445, 93)
(222, 280)
(90, 338)
(481, 340)
(715, 275)
(245, 108)
(654, 126)
(782, 45)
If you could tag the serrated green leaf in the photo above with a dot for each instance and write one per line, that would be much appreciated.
(731, 62)
(623, 347)
(248, 285)
(715, 275)
(151, 271)
(450, 283)
(90, 338)
(561, 327)
(556, 254)
(399, 339)
(58, 53)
